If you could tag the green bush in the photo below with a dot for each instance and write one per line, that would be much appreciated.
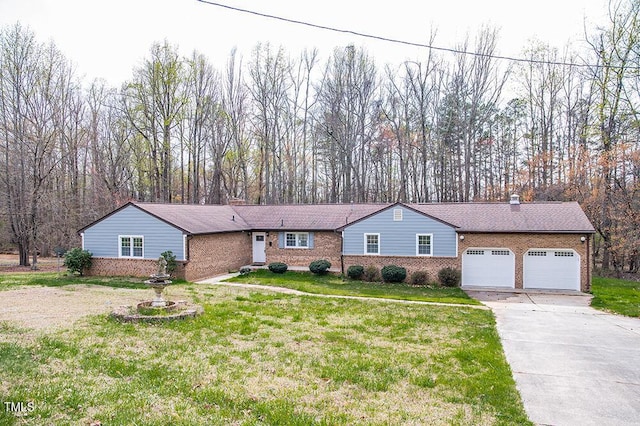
(449, 277)
(171, 261)
(420, 278)
(393, 274)
(77, 260)
(278, 267)
(355, 272)
(371, 274)
(320, 267)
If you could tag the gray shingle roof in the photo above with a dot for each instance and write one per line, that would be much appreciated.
(555, 217)
(197, 219)
(305, 217)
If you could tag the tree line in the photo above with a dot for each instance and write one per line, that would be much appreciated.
(277, 127)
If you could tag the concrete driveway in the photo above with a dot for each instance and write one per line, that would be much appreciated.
(572, 364)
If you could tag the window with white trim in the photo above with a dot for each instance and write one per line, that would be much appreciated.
(423, 244)
(372, 243)
(131, 245)
(296, 240)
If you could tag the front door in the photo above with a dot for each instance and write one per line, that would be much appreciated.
(259, 253)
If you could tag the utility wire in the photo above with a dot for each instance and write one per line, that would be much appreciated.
(397, 41)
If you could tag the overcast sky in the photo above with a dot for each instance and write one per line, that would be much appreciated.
(108, 38)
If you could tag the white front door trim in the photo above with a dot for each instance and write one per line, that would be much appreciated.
(259, 247)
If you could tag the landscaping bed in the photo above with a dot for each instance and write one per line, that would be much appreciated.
(336, 285)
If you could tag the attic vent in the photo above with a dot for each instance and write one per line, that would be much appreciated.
(515, 199)
(397, 215)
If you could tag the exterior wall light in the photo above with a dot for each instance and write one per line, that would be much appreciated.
(462, 237)
(582, 239)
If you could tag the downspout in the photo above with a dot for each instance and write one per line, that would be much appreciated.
(589, 262)
(342, 252)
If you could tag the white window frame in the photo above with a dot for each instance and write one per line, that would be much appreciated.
(430, 245)
(366, 245)
(297, 240)
(131, 238)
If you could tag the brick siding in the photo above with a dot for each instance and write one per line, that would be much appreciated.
(431, 265)
(327, 245)
(216, 254)
(520, 243)
(106, 266)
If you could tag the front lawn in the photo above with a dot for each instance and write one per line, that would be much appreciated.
(51, 279)
(336, 285)
(615, 295)
(260, 358)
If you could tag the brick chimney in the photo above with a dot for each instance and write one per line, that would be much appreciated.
(237, 201)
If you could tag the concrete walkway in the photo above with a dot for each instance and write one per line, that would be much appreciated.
(573, 365)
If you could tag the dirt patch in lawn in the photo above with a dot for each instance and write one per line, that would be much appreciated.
(53, 307)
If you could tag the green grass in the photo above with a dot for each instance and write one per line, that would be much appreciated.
(260, 358)
(52, 279)
(336, 285)
(615, 295)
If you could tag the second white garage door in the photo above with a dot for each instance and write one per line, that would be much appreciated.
(488, 267)
(552, 269)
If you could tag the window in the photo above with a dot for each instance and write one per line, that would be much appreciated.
(475, 252)
(563, 254)
(296, 240)
(500, 252)
(397, 215)
(372, 243)
(131, 246)
(423, 244)
(537, 253)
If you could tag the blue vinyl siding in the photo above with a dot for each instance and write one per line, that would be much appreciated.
(101, 239)
(398, 238)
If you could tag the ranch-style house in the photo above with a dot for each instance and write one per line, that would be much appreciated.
(539, 245)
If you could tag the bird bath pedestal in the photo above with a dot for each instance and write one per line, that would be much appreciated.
(158, 309)
(158, 282)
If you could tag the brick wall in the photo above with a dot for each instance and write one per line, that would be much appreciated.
(217, 254)
(520, 243)
(431, 265)
(327, 245)
(105, 266)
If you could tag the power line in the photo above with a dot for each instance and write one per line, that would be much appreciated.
(393, 40)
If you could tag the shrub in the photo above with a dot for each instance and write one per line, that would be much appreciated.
(171, 261)
(420, 278)
(278, 267)
(355, 272)
(319, 267)
(393, 274)
(449, 277)
(371, 274)
(77, 260)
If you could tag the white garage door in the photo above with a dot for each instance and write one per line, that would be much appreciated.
(552, 269)
(488, 267)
